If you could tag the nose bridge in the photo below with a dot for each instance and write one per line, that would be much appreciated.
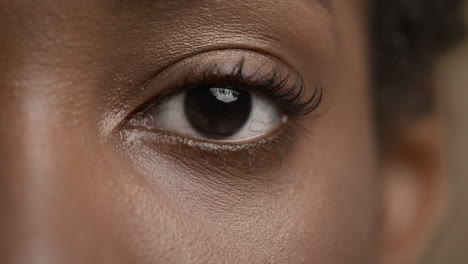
(34, 177)
(45, 169)
(49, 145)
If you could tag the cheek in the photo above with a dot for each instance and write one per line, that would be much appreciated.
(337, 172)
(339, 161)
(326, 208)
(317, 207)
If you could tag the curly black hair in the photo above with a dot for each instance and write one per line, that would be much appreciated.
(408, 36)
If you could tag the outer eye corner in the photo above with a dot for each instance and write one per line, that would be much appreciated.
(227, 103)
(217, 114)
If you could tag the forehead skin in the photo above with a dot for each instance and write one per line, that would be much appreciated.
(75, 189)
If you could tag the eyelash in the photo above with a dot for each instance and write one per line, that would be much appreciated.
(247, 159)
(275, 86)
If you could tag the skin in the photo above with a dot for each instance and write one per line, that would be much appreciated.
(78, 186)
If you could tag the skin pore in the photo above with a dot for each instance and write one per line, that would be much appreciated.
(78, 184)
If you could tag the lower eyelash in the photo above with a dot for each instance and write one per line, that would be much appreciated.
(285, 88)
(277, 85)
(214, 147)
(240, 159)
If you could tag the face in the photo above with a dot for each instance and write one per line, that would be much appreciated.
(186, 132)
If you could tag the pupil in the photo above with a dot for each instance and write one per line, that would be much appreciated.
(217, 112)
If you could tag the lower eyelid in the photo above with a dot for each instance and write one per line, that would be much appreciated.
(252, 159)
(249, 159)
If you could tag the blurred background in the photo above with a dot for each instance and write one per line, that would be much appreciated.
(451, 243)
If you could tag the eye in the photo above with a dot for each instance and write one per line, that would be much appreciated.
(233, 100)
(215, 113)
(233, 110)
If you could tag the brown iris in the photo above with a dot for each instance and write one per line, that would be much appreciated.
(217, 112)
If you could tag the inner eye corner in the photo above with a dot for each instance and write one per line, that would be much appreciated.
(218, 103)
(216, 114)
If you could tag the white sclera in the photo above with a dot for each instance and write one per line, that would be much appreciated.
(169, 116)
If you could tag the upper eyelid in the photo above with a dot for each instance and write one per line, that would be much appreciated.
(246, 50)
(277, 58)
(270, 84)
(145, 85)
(160, 86)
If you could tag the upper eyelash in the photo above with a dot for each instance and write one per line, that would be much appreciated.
(275, 85)
(290, 99)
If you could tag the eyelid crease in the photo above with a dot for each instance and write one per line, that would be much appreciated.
(260, 74)
(284, 91)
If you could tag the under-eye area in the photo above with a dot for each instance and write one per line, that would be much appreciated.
(232, 109)
(226, 160)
